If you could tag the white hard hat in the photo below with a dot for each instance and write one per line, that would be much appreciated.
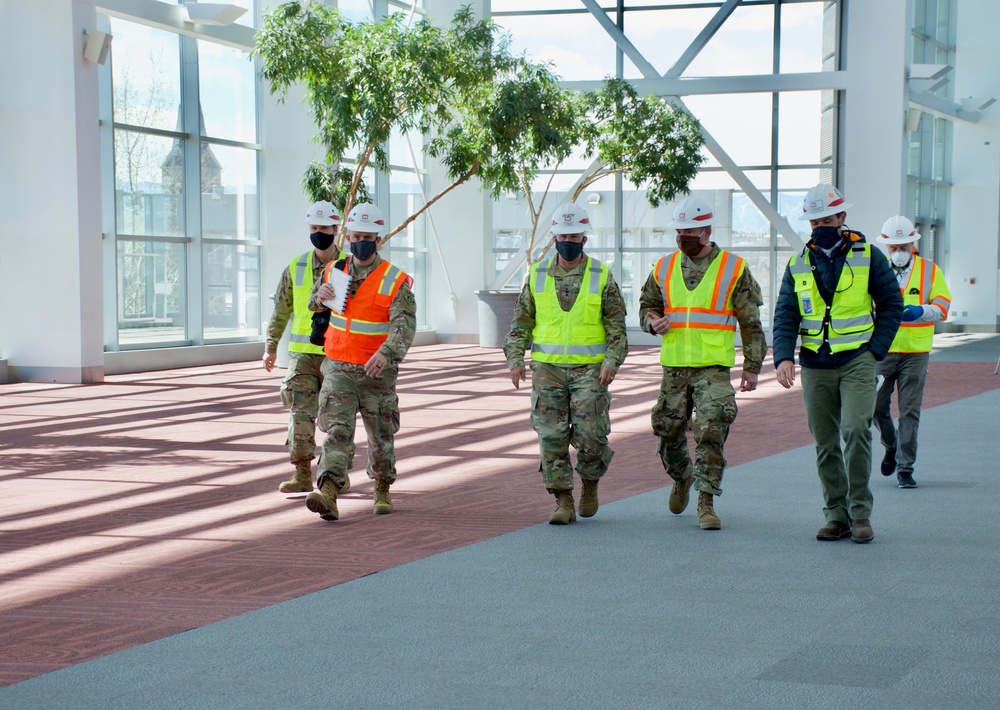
(692, 213)
(897, 230)
(366, 218)
(322, 214)
(821, 201)
(570, 219)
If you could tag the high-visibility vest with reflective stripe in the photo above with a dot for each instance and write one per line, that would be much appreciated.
(576, 337)
(357, 333)
(849, 322)
(703, 321)
(301, 271)
(925, 285)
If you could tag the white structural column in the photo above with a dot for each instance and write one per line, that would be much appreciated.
(464, 217)
(872, 162)
(971, 263)
(50, 218)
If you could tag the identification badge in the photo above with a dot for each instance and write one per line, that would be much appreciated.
(807, 305)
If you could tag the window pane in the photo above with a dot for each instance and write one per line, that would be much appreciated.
(759, 263)
(152, 301)
(399, 148)
(226, 86)
(149, 174)
(802, 37)
(229, 208)
(404, 200)
(590, 55)
(232, 291)
(356, 10)
(743, 45)
(519, 5)
(799, 114)
(662, 36)
(145, 75)
(747, 140)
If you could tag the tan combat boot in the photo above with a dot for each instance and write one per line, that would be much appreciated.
(301, 481)
(707, 518)
(383, 503)
(324, 503)
(680, 493)
(565, 511)
(588, 498)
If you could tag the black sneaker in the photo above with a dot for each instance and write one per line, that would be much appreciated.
(889, 462)
(905, 479)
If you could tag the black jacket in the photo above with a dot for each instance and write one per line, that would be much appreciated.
(882, 286)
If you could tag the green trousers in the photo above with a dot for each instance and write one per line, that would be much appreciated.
(839, 405)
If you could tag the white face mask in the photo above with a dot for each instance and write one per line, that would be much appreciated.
(900, 258)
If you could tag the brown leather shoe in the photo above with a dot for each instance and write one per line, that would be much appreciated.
(861, 531)
(834, 530)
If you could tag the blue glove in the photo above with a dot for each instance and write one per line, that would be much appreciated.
(911, 313)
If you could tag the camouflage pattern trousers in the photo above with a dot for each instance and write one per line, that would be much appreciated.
(346, 391)
(300, 395)
(569, 405)
(706, 393)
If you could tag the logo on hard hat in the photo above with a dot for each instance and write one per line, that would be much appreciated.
(567, 218)
(682, 215)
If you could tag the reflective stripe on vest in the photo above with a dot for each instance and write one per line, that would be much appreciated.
(301, 272)
(357, 334)
(702, 321)
(928, 282)
(849, 322)
(574, 337)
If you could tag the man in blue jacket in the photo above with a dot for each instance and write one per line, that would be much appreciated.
(830, 296)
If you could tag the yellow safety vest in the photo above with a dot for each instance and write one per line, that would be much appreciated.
(925, 285)
(703, 321)
(576, 337)
(301, 271)
(849, 322)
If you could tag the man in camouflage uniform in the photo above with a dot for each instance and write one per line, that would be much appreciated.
(364, 346)
(694, 300)
(300, 388)
(573, 314)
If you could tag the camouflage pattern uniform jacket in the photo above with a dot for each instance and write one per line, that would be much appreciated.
(348, 390)
(704, 392)
(568, 402)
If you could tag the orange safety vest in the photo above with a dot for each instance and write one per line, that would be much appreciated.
(703, 321)
(357, 333)
(926, 285)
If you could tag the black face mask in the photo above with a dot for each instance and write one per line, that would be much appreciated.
(569, 251)
(826, 237)
(363, 251)
(321, 240)
(691, 246)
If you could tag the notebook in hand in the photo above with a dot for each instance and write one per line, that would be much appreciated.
(340, 282)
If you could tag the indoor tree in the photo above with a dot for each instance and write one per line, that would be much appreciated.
(365, 80)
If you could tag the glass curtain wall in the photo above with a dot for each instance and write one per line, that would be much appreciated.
(186, 201)
(928, 175)
(784, 142)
